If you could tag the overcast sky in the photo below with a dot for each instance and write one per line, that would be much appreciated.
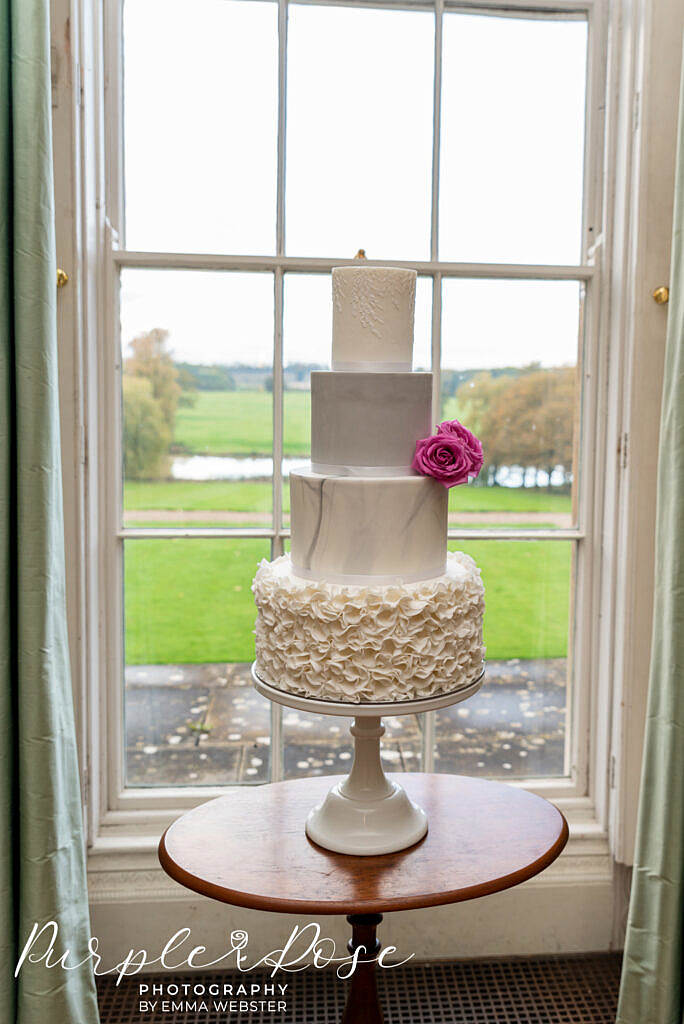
(200, 145)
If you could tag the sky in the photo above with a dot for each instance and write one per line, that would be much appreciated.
(200, 98)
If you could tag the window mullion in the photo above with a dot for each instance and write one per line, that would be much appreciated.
(436, 129)
(282, 120)
(278, 404)
(324, 264)
(429, 718)
(277, 543)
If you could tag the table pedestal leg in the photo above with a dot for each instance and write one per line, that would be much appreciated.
(363, 1006)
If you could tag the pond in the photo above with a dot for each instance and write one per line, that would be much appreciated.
(226, 467)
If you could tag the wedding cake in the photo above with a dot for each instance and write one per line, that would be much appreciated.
(368, 605)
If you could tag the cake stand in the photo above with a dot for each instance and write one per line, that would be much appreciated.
(366, 813)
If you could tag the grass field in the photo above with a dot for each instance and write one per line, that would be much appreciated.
(190, 600)
(250, 496)
(240, 423)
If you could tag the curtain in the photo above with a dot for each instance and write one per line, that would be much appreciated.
(42, 857)
(651, 990)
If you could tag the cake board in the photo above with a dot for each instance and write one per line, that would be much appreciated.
(367, 813)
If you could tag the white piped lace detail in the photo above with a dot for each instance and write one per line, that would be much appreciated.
(364, 296)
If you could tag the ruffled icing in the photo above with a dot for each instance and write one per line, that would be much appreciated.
(365, 643)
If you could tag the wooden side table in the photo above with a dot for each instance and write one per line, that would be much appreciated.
(249, 849)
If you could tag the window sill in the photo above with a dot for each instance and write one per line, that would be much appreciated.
(122, 850)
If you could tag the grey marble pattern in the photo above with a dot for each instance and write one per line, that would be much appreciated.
(369, 419)
(389, 528)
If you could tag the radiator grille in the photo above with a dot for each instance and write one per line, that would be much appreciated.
(550, 990)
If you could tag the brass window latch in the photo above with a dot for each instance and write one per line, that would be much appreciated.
(662, 295)
(62, 277)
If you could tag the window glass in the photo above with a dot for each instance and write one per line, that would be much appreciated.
(200, 125)
(197, 381)
(509, 372)
(515, 725)
(359, 132)
(192, 714)
(512, 139)
(323, 745)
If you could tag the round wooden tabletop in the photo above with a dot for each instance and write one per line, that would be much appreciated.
(249, 848)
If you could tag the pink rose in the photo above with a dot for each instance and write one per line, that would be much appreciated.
(469, 441)
(451, 456)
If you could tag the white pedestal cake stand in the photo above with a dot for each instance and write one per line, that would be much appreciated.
(366, 813)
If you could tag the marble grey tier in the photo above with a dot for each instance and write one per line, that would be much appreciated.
(357, 529)
(368, 420)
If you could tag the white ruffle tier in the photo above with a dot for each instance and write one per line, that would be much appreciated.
(356, 643)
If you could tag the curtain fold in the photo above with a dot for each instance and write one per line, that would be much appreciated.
(651, 990)
(42, 856)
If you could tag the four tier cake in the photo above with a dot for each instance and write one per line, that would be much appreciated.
(369, 606)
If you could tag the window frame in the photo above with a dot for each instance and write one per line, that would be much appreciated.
(123, 806)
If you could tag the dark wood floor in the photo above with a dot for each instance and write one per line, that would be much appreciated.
(550, 990)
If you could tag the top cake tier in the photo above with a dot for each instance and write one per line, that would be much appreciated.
(373, 312)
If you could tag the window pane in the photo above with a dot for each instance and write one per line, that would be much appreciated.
(509, 372)
(192, 715)
(515, 725)
(359, 132)
(307, 344)
(200, 125)
(512, 139)
(322, 744)
(197, 399)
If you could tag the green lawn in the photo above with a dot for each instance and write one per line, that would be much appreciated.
(188, 496)
(527, 589)
(240, 423)
(248, 496)
(190, 600)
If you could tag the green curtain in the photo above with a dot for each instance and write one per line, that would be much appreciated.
(42, 857)
(651, 991)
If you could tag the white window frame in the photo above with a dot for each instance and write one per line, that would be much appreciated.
(125, 805)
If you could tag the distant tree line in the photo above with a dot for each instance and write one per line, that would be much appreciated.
(451, 381)
(204, 377)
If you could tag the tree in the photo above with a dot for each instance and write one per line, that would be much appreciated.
(151, 360)
(188, 386)
(146, 435)
(540, 409)
(482, 398)
(525, 420)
